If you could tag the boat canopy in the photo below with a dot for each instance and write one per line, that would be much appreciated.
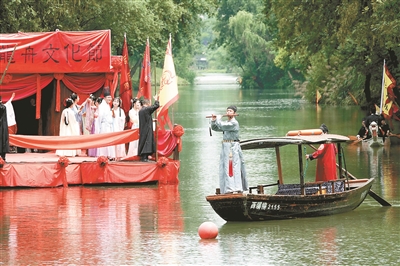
(272, 142)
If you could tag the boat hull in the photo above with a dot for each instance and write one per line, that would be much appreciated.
(260, 207)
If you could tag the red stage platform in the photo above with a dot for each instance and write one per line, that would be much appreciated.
(46, 170)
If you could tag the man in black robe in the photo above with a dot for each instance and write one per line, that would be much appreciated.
(384, 130)
(373, 117)
(4, 144)
(147, 144)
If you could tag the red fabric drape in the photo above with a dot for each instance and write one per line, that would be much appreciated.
(23, 85)
(58, 77)
(38, 95)
(27, 85)
(74, 142)
(84, 84)
(166, 142)
(51, 175)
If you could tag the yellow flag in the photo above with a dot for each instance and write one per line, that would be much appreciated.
(388, 84)
(168, 93)
(377, 109)
(318, 96)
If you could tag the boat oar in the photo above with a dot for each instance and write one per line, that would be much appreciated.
(354, 140)
(394, 135)
(375, 196)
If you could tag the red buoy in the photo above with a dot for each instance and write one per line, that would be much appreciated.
(208, 230)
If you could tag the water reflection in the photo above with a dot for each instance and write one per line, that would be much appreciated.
(380, 163)
(84, 222)
(152, 225)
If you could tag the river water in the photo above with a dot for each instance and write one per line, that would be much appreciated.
(154, 224)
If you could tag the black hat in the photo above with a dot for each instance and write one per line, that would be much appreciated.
(232, 107)
(324, 128)
(106, 91)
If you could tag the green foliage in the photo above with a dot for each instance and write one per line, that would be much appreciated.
(242, 32)
(339, 46)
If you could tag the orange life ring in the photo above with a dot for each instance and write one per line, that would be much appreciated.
(305, 132)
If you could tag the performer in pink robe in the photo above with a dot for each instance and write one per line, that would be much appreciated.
(326, 155)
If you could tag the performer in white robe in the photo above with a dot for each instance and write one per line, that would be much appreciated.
(106, 124)
(134, 118)
(68, 127)
(92, 121)
(12, 124)
(119, 124)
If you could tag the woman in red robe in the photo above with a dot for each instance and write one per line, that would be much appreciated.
(326, 155)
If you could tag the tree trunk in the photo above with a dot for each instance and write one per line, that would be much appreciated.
(367, 90)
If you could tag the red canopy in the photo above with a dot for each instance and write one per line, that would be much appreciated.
(81, 60)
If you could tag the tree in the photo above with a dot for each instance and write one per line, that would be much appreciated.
(334, 43)
(243, 33)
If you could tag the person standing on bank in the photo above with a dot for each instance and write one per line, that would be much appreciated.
(232, 172)
(4, 140)
(147, 144)
(326, 155)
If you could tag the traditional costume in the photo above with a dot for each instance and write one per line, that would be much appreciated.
(12, 124)
(326, 164)
(106, 126)
(90, 122)
(68, 127)
(119, 125)
(4, 140)
(232, 172)
(147, 144)
(133, 145)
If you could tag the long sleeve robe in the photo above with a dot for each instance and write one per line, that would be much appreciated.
(326, 164)
(68, 127)
(133, 145)
(230, 151)
(147, 144)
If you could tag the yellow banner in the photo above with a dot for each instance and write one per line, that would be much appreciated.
(168, 93)
(387, 103)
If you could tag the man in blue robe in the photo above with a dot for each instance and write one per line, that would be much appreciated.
(232, 172)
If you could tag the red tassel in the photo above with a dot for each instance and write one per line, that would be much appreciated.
(230, 168)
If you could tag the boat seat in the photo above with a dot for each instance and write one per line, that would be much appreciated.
(310, 189)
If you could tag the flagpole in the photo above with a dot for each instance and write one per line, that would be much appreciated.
(155, 77)
(383, 86)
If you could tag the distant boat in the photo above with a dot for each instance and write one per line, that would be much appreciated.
(376, 140)
(296, 199)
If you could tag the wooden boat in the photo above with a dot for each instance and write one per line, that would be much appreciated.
(293, 200)
(376, 140)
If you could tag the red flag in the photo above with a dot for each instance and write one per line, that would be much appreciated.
(145, 75)
(168, 93)
(125, 87)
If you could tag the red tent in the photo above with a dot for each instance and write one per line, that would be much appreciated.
(43, 68)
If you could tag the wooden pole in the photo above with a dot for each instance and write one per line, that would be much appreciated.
(303, 190)
(278, 162)
(8, 64)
